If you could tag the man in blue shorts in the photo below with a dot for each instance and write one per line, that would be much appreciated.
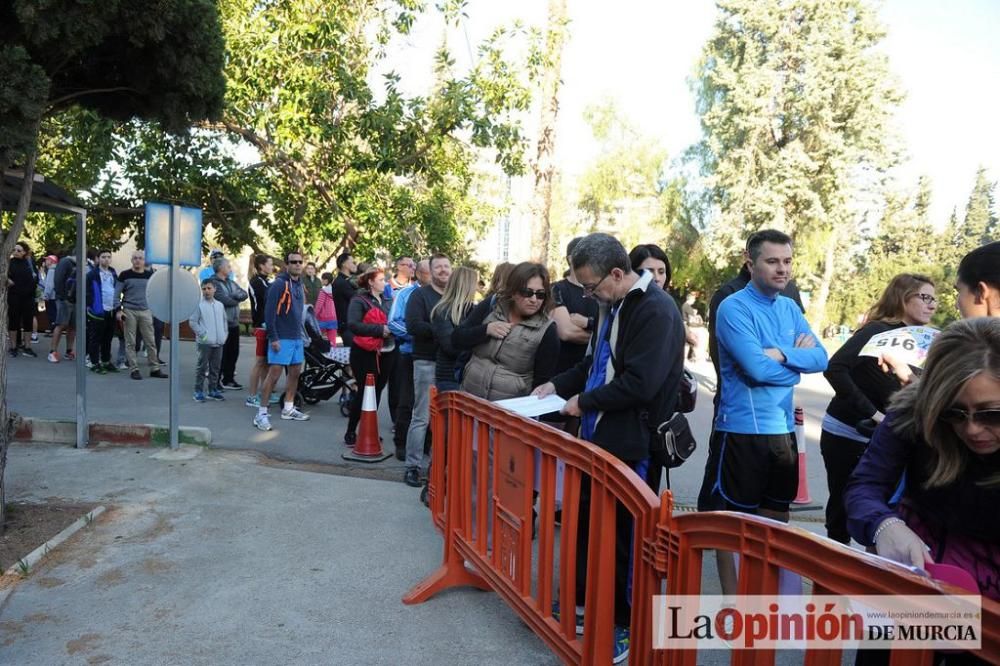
(283, 323)
(765, 344)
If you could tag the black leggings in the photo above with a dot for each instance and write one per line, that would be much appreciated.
(20, 314)
(840, 457)
(362, 363)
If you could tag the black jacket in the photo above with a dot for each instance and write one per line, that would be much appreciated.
(343, 292)
(356, 311)
(448, 358)
(418, 322)
(258, 297)
(20, 272)
(648, 359)
(860, 385)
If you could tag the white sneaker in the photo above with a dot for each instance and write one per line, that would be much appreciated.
(293, 415)
(262, 422)
(34, 338)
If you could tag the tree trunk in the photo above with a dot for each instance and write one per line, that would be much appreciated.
(817, 314)
(7, 240)
(545, 163)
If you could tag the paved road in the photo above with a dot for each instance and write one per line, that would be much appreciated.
(47, 390)
(218, 560)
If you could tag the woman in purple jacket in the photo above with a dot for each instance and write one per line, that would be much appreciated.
(943, 433)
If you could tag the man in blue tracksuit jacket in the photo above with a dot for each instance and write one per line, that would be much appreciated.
(765, 344)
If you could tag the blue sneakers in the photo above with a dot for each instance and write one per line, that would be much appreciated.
(199, 396)
(215, 395)
(621, 645)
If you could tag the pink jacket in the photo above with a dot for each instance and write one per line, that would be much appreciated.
(325, 311)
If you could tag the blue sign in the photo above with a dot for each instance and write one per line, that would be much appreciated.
(158, 234)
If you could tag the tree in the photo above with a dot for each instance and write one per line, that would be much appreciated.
(330, 151)
(623, 184)
(980, 223)
(544, 166)
(795, 101)
(121, 59)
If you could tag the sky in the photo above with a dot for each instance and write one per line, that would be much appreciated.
(642, 53)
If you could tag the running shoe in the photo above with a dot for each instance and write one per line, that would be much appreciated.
(111, 367)
(215, 395)
(294, 415)
(579, 617)
(621, 645)
(53, 357)
(70, 356)
(199, 396)
(28, 351)
(232, 386)
(274, 399)
(262, 422)
(252, 401)
(34, 338)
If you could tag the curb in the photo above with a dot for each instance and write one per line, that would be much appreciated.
(27, 563)
(31, 429)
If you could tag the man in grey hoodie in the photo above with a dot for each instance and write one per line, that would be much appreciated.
(230, 295)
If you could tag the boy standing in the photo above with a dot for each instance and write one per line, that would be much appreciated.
(211, 330)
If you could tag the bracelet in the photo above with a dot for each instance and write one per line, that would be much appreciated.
(885, 524)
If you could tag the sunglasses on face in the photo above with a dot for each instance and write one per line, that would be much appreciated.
(926, 298)
(295, 261)
(528, 293)
(989, 418)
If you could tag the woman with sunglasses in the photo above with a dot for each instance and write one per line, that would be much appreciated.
(943, 432)
(862, 390)
(21, 285)
(513, 343)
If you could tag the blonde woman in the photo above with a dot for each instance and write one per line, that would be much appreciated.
(456, 302)
(943, 432)
(862, 389)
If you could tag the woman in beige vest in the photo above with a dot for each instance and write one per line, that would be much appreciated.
(514, 346)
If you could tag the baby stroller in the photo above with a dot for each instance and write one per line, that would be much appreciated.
(326, 372)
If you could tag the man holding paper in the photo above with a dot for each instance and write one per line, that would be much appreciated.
(626, 384)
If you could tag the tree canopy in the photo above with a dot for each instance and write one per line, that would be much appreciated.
(795, 101)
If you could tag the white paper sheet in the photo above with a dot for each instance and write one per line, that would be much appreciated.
(530, 406)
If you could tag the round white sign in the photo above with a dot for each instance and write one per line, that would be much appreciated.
(158, 294)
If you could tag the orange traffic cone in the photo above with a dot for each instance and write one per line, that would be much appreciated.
(368, 447)
(800, 438)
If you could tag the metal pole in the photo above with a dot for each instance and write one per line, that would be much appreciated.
(175, 365)
(80, 313)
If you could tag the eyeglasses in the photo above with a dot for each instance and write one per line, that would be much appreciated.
(540, 294)
(989, 418)
(926, 298)
(588, 289)
(294, 261)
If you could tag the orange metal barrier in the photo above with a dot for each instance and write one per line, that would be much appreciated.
(505, 490)
(481, 493)
(764, 547)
